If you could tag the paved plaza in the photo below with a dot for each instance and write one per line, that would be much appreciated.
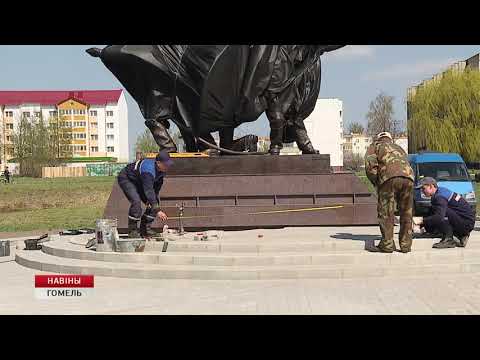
(445, 293)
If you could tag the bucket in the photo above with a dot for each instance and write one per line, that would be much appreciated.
(4, 248)
(106, 234)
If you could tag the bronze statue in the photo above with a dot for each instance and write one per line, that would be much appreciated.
(208, 88)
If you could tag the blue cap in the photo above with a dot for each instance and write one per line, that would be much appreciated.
(164, 157)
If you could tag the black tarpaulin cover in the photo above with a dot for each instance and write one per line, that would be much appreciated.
(210, 87)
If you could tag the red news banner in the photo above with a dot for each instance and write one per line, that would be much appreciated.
(63, 286)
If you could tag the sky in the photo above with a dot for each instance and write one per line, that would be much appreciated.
(355, 74)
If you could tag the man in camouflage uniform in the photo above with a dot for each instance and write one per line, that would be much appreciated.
(388, 169)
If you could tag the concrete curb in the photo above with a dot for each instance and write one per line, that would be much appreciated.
(44, 262)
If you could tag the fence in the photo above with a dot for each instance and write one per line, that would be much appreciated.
(111, 169)
(63, 171)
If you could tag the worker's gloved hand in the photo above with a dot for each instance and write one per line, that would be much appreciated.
(162, 216)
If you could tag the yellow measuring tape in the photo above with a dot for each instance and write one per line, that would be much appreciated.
(260, 212)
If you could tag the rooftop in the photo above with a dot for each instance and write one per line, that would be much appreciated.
(92, 97)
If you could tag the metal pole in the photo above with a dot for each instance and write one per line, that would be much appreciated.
(180, 218)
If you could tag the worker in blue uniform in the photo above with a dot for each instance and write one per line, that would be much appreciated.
(141, 181)
(451, 215)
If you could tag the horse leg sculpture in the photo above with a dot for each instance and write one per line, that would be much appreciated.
(189, 140)
(246, 143)
(226, 138)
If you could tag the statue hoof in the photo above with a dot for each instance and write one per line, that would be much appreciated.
(170, 149)
(275, 150)
(151, 124)
(313, 151)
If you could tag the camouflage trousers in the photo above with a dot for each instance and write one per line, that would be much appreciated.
(397, 189)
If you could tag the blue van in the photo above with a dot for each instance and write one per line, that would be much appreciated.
(449, 170)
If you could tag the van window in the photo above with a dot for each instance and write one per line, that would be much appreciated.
(447, 171)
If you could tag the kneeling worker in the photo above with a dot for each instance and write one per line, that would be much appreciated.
(141, 181)
(445, 203)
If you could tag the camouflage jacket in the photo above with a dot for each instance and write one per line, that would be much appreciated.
(385, 160)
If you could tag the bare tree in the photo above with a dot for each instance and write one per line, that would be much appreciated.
(381, 116)
(356, 128)
(352, 161)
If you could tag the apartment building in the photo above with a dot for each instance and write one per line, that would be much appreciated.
(357, 144)
(97, 119)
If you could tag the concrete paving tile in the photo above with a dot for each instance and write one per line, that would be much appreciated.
(128, 273)
(244, 248)
(213, 260)
(268, 274)
(292, 260)
(172, 259)
(232, 275)
(318, 259)
(316, 273)
(362, 272)
(260, 260)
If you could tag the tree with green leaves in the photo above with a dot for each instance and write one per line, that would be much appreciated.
(38, 143)
(60, 135)
(381, 118)
(444, 115)
(356, 128)
(2, 154)
(146, 143)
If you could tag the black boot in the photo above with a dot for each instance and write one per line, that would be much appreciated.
(463, 241)
(161, 135)
(277, 123)
(304, 143)
(446, 242)
(275, 150)
(146, 229)
(133, 232)
(308, 148)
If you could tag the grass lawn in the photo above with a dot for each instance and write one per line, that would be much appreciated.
(51, 204)
(67, 203)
